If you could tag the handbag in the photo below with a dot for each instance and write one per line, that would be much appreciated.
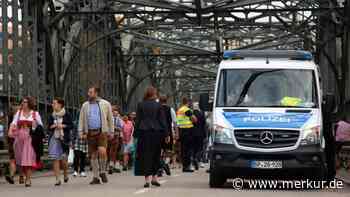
(37, 135)
(71, 156)
(38, 132)
(12, 131)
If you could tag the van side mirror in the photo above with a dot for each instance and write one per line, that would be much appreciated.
(204, 103)
(329, 103)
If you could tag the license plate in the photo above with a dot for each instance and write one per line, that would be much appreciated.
(266, 164)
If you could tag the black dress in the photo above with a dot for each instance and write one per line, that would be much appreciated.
(168, 125)
(150, 129)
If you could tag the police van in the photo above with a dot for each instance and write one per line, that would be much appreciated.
(266, 118)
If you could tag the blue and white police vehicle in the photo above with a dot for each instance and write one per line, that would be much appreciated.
(266, 119)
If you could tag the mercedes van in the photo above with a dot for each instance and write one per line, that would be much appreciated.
(266, 119)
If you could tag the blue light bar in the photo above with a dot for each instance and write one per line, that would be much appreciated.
(291, 54)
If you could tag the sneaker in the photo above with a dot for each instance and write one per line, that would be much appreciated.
(201, 165)
(82, 174)
(125, 168)
(95, 181)
(104, 178)
(75, 174)
(110, 171)
(192, 168)
(117, 170)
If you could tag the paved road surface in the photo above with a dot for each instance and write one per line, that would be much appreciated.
(124, 185)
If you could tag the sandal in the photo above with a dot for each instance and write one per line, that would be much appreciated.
(58, 183)
(66, 179)
(155, 183)
(147, 185)
(28, 183)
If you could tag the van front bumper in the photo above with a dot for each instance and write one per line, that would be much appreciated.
(304, 162)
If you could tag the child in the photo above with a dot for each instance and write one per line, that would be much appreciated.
(128, 130)
(114, 142)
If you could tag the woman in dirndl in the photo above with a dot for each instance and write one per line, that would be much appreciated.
(23, 125)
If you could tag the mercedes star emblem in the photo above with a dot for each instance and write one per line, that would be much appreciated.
(266, 137)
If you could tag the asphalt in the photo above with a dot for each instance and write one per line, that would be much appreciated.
(125, 184)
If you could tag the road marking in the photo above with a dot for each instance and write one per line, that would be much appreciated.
(141, 191)
(163, 181)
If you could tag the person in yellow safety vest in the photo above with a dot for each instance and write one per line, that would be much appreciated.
(183, 117)
(185, 120)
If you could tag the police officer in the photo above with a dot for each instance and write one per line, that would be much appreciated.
(185, 121)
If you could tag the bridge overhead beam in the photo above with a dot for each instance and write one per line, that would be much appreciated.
(202, 28)
(121, 36)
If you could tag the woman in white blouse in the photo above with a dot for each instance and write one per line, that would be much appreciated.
(25, 121)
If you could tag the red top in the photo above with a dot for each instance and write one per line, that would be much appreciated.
(127, 131)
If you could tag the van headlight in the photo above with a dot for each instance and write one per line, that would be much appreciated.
(311, 136)
(223, 135)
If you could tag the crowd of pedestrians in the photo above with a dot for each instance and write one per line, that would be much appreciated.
(153, 140)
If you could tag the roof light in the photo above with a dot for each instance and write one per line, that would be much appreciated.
(291, 54)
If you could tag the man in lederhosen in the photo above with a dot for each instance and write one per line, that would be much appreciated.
(95, 124)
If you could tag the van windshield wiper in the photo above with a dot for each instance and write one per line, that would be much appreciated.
(249, 83)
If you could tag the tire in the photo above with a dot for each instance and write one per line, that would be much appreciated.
(216, 180)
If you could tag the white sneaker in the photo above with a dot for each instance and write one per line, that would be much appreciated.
(117, 166)
(75, 174)
(83, 174)
(201, 165)
(192, 168)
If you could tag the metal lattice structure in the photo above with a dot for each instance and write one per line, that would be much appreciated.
(125, 45)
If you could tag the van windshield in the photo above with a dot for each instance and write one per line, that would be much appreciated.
(267, 88)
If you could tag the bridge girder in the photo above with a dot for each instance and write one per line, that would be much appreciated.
(154, 35)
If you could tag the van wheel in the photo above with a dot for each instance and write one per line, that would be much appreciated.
(216, 180)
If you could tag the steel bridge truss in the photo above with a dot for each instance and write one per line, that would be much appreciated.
(60, 47)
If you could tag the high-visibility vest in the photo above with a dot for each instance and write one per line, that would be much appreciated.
(183, 121)
(291, 101)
